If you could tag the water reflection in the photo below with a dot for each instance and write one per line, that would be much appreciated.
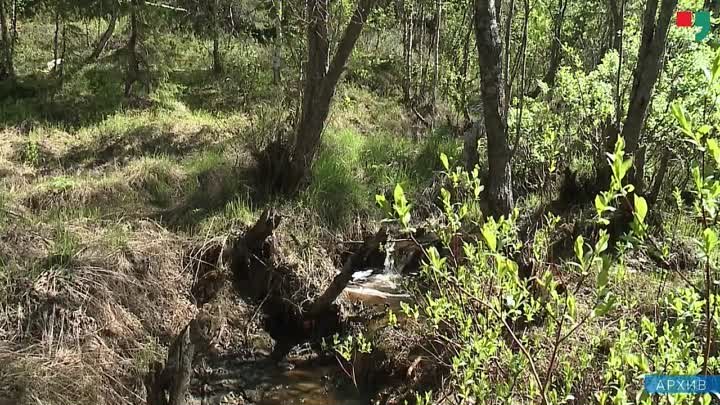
(227, 380)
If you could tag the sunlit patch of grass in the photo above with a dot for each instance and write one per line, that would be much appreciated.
(364, 111)
(160, 177)
(65, 245)
(337, 189)
(352, 168)
(151, 181)
(214, 180)
(75, 192)
(237, 212)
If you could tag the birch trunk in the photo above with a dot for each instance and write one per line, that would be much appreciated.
(500, 195)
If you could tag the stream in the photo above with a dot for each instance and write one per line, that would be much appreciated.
(230, 379)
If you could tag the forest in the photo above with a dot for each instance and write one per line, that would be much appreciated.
(346, 202)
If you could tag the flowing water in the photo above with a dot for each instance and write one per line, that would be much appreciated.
(228, 380)
(231, 380)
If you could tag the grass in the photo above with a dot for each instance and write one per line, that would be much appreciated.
(101, 198)
(352, 168)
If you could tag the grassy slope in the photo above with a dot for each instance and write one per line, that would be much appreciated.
(101, 201)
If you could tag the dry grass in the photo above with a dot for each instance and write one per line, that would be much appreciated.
(84, 331)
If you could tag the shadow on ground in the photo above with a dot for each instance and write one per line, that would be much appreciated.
(145, 140)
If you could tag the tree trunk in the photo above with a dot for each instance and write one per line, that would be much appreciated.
(523, 70)
(463, 74)
(436, 67)
(421, 44)
(470, 145)
(56, 42)
(408, 17)
(14, 31)
(659, 178)
(647, 71)
(489, 47)
(506, 53)
(60, 70)
(320, 84)
(617, 23)
(133, 64)
(168, 383)
(7, 70)
(105, 38)
(277, 56)
(217, 58)
(611, 128)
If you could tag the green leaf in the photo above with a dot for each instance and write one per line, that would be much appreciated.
(641, 208)
(602, 243)
(699, 182)
(620, 146)
(604, 274)
(382, 202)
(679, 114)
(579, 242)
(605, 306)
(489, 233)
(405, 220)
(711, 239)
(445, 162)
(399, 195)
(571, 307)
(599, 204)
(715, 67)
(625, 167)
(714, 149)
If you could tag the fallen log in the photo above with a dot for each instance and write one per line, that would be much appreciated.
(352, 265)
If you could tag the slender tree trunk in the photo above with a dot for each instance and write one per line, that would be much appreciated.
(436, 67)
(217, 58)
(133, 63)
(647, 71)
(105, 38)
(320, 83)
(60, 70)
(56, 43)
(232, 20)
(617, 24)
(7, 69)
(506, 51)
(489, 48)
(425, 82)
(463, 75)
(421, 45)
(659, 178)
(611, 128)
(409, 15)
(14, 31)
(277, 55)
(471, 137)
(523, 70)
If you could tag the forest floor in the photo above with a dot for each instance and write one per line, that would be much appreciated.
(108, 208)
